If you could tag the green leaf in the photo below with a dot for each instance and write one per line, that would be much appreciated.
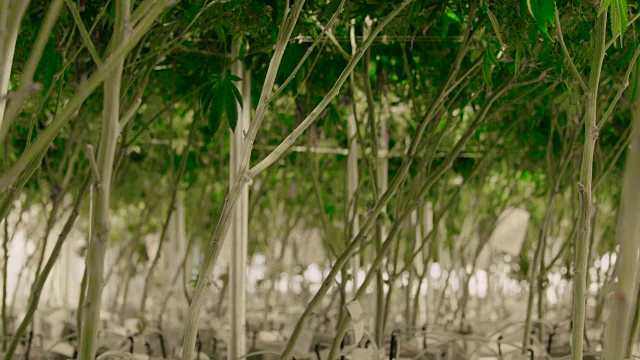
(619, 19)
(492, 56)
(215, 114)
(496, 25)
(518, 59)
(220, 34)
(453, 16)
(221, 101)
(236, 94)
(231, 109)
(604, 4)
(231, 97)
(330, 210)
(243, 44)
(542, 11)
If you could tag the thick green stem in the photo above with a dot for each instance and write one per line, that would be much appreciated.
(586, 206)
(34, 299)
(100, 216)
(621, 328)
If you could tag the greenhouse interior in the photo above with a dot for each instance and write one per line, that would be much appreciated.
(320, 179)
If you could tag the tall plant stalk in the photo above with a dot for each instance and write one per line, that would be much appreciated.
(379, 149)
(622, 326)
(584, 188)
(102, 189)
(352, 173)
(240, 225)
(379, 138)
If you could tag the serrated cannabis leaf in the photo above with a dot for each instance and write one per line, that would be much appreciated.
(222, 102)
(215, 109)
(231, 110)
(603, 6)
(619, 19)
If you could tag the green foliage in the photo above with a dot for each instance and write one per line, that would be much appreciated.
(543, 11)
(494, 23)
(488, 59)
(220, 102)
(619, 18)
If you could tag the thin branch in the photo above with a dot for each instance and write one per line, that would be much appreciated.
(572, 65)
(333, 39)
(93, 163)
(625, 85)
(130, 113)
(84, 34)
